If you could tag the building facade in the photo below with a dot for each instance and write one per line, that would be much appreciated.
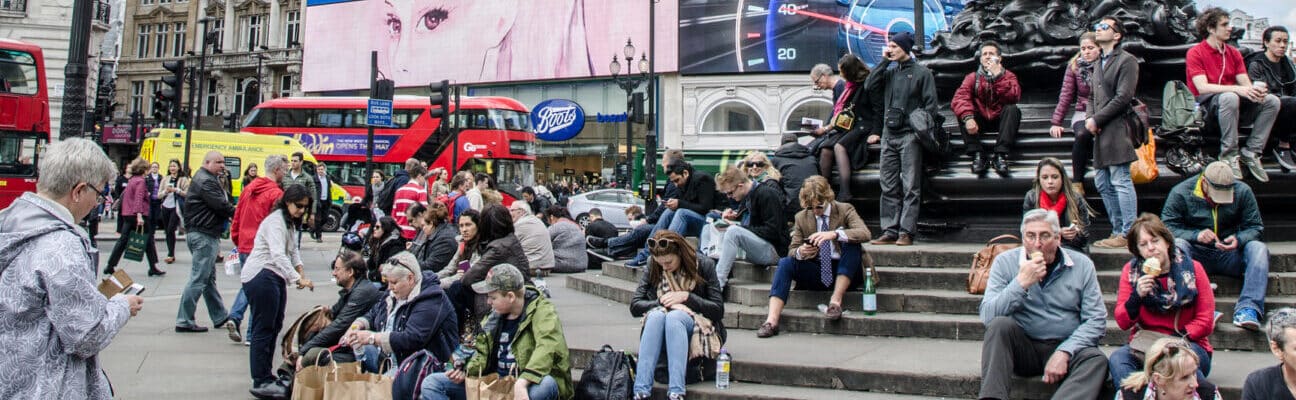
(45, 23)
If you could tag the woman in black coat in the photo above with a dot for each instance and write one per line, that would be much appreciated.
(384, 242)
(679, 292)
(438, 246)
(847, 148)
(496, 245)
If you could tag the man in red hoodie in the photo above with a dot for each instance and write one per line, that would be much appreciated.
(987, 102)
(254, 205)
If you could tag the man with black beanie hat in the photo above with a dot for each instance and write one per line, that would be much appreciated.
(906, 88)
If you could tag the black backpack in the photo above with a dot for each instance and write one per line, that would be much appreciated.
(610, 376)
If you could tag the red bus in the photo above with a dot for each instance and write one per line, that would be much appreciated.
(24, 117)
(495, 137)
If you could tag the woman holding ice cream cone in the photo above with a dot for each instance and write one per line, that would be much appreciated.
(1162, 293)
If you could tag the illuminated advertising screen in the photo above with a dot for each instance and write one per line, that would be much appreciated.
(477, 41)
(734, 36)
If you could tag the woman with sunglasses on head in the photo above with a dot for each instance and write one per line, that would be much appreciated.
(274, 262)
(1170, 372)
(1162, 291)
(1053, 191)
(416, 314)
(678, 295)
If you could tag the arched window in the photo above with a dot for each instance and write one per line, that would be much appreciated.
(812, 108)
(733, 116)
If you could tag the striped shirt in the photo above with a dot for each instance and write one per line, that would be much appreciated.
(406, 196)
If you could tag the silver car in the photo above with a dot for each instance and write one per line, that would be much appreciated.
(612, 202)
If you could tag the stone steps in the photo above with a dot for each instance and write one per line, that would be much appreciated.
(757, 391)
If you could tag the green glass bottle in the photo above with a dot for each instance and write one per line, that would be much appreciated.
(870, 293)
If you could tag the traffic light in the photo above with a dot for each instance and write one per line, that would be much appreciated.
(440, 98)
(173, 89)
(162, 105)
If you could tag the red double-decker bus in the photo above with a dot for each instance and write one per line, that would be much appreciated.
(494, 137)
(24, 117)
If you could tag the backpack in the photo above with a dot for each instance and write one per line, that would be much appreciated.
(610, 376)
(979, 275)
(412, 372)
(1179, 110)
(449, 201)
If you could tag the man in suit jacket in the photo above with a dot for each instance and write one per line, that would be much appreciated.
(826, 252)
(323, 186)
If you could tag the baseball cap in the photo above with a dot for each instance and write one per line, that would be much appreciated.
(502, 278)
(1220, 178)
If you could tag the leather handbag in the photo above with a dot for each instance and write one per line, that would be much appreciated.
(931, 131)
(1143, 339)
(609, 376)
(979, 275)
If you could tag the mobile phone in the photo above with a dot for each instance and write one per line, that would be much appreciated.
(463, 265)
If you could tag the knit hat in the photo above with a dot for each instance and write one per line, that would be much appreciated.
(903, 39)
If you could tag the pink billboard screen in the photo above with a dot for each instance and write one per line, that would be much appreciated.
(477, 41)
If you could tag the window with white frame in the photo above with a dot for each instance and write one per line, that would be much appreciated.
(160, 47)
(238, 95)
(212, 98)
(253, 32)
(733, 116)
(137, 97)
(293, 28)
(163, 1)
(178, 39)
(217, 27)
(285, 86)
(142, 42)
(146, 2)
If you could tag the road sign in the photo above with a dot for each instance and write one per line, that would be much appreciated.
(379, 113)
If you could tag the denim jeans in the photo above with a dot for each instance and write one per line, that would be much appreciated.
(1117, 190)
(807, 276)
(371, 360)
(1122, 363)
(1249, 262)
(672, 330)
(759, 251)
(625, 245)
(683, 221)
(202, 281)
(438, 387)
(241, 301)
(269, 293)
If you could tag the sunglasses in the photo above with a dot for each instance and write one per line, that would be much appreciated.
(756, 164)
(1171, 349)
(1101, 26)
(815, 207)
(661, 246)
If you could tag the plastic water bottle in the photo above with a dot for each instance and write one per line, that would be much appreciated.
(870, 293)
(722, 369)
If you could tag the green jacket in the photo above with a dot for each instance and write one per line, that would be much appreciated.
(539, 345)
(305, 179)
(1186, 213)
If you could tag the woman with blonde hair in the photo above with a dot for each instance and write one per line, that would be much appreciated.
(757, 165)
(1169, 373)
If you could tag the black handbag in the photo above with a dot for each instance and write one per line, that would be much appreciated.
(931, 131)
(610, 376)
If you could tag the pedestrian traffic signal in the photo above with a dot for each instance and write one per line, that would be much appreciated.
(440, 98)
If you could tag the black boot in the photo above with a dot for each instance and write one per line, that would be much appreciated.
(1001, 164)
(979, 163)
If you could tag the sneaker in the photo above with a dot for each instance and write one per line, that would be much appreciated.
(1253, 165)
(1248, 319)
(232, 330)
(767, 330)
(1285, 159)
(1114, 242)
(675, 396)
(190, 329)
(642, 396)
(1233, 163)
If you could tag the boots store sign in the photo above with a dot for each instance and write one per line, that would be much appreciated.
(557, 120)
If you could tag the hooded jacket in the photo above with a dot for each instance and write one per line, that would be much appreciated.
(254, 205)
(426, 322)
(795, 164)
(538, 346)
(1259, 69)
(53, 320)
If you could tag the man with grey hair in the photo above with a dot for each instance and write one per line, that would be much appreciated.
(54, 321)
(1270, 383)
(1044, 314)
(821, 76)
(206, 211)
(533, 235)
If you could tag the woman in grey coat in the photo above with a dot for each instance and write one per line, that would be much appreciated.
(54, 321)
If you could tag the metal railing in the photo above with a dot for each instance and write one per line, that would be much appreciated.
(103, 11)
(13, 5)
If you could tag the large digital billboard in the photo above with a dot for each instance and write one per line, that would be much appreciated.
(733, 36)
(475, 41)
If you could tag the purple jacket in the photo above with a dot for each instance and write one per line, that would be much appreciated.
(135, 198)
(1073, 90)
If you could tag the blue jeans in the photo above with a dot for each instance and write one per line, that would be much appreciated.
(202, 281)
(806, 273)
(1249, 262)
(625, 245)
(759, 251)
(269, 293)
(241, 301)
(1117, 190)
(438, 387)
(683, 221)
(672, 330)
(1122, 363)
(371, 360)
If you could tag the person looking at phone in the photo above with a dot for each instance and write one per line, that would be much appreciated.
(1053, 191)
(986, 101)
(1216, 221)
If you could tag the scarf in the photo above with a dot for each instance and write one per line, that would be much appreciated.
(845, 97)
(1182, 280)
(1058, 208)
(704, 342)
(1085, 68)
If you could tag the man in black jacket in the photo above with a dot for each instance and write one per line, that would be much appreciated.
(761, 233)
(206, 211)
(907, 87)
(685, 214)
(795, 163)
(599, 227)
(355, 299)
(1272, 67)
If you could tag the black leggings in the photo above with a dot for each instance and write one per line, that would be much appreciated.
(170, 220)
(1081, 152)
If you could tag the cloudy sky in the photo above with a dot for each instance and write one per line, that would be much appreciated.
(1277, 12)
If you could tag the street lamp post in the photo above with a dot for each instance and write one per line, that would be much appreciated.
(195, 112)
(629, 82)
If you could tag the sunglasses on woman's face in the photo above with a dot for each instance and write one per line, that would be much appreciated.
(755, 164)
(660, 246)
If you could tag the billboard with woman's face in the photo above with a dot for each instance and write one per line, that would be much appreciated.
(475, 41)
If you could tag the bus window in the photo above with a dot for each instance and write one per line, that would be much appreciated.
(18, 72)
(18, 155)
(353, 173)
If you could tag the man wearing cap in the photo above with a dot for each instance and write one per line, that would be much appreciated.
(521, 337)
(1216, 221)
(906, 88)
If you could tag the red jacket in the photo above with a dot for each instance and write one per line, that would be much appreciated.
(1197, 318)
(989, 99)
(253, 206)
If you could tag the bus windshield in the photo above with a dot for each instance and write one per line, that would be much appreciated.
(18, 155)
(18, 72)
(495, 119)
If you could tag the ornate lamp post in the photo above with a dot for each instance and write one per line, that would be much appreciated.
(629, 82)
